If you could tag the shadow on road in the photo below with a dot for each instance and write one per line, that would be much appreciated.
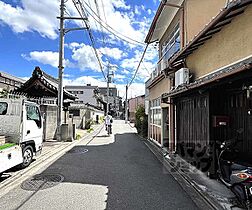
(131, 173)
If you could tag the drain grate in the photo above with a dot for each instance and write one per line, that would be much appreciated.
(42, 181)
(78, 150)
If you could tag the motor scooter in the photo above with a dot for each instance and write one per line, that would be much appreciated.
(237, 177)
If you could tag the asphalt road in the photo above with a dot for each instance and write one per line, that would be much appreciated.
(117, 172)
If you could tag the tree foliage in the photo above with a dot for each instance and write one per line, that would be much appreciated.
(141, 121)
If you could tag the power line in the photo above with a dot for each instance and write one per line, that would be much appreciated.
(110, 29)
(101, 28)
(83, 15)
(138, 67)
(103, 9)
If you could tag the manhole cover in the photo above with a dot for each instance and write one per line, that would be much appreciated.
(42, 181)
(78, 150)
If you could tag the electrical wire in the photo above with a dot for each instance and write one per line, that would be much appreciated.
(110, 29)
(102, 32)
(84, 16)
(103, 9)
(138, 67)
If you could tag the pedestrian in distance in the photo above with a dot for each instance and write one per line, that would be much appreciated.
(108, 124)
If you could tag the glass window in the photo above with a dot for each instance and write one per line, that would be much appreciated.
(3, 108)
(172, 45)
(32, 113)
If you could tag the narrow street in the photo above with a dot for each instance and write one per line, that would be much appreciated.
(116, 172)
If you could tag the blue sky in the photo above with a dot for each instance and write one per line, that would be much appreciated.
(29, 38)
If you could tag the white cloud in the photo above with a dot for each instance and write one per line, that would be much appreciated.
(34, 15)
(46, 57)
(146, 66)
(124, 71)
(84, 56)
(119, 77)
(137, 10)
(84, 80)
(67, 75)
(136, 89)
(149, 11)
(120, 21)
(115, 53)
(120, 4)
(40, 16)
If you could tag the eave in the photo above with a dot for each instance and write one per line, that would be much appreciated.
(166, 11)
(225, 17)
(156, 80)
(211, 79)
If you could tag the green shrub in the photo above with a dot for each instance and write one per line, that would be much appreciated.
(141, 121)
(101, 119)
(90, 130)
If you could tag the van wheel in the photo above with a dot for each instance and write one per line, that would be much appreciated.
(27, 156)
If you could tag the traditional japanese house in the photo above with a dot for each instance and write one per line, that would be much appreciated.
(210, 77)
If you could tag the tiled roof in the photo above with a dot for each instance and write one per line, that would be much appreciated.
(43, 85)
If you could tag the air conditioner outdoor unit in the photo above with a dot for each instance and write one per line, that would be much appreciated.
(181, 77)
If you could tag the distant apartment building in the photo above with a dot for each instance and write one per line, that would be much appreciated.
(10, 82)
(86, 95)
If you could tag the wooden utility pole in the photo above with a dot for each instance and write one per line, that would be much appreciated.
(126, 105)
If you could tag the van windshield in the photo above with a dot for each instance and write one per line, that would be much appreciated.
(3, 108)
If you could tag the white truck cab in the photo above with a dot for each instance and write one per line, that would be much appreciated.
(21, 130)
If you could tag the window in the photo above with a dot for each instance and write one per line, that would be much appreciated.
(155, 112)
(172, 44)
(3, 108)
(155, 120)
(32, 113)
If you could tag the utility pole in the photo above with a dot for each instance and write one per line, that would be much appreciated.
(63, 31)
(108, 78)
(126, 105)
(61, 69)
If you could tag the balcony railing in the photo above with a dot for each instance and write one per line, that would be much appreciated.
(168, 52)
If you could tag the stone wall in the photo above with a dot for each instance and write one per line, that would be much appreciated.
(49, 112)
